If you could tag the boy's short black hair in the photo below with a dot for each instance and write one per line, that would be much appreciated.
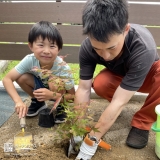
(104, 18)
(47, 30)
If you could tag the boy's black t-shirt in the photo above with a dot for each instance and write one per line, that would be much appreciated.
(139, 53)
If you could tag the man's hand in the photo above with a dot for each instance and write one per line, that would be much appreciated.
(21, 109)
(86, 152)
(43, 94)
(87, 149)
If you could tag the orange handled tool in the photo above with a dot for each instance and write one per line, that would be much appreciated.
(102, 143)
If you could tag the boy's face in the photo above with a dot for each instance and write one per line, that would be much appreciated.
(45, 51)
(112, 49)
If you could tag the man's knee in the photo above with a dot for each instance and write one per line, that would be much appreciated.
(105, 84)
(101, 81)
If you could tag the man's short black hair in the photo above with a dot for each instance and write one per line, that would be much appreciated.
(104, 18)
(47, 30)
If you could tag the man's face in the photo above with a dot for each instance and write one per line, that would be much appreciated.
(113, 48)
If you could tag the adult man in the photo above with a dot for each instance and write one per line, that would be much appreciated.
(129, 53)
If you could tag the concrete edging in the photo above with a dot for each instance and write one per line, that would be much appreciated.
(137, 96)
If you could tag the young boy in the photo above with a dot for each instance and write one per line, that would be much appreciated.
(45, 41)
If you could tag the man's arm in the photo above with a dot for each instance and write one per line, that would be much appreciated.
(108, 117)
(8, 80)
(113, 110)
(83, 92)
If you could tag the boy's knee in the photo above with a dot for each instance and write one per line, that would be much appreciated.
(56, 84)
(25, 78)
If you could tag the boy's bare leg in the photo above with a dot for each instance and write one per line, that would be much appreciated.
(58, 88)
(26, 82)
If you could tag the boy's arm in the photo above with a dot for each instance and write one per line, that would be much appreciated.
(8, 80)
(44, 94)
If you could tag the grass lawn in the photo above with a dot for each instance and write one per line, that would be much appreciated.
(73, 66)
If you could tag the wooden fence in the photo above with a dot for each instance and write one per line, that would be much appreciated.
(17, 18)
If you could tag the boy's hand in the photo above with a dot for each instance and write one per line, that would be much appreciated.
(43, 94)
(21, 109)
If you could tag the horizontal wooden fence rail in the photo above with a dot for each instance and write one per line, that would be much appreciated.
(17, 52)
(16, 20)
(70, 12)
(72, 34)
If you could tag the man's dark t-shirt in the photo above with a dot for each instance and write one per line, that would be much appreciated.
(139, 53)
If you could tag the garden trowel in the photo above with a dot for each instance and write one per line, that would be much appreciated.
(72, 145)
(23, 140)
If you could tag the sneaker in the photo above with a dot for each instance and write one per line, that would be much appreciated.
(35, 107)
(137, 138)
(60, 115)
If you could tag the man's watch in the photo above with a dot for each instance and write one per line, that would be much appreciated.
(93, 138)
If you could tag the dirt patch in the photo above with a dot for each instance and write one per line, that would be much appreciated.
(116, 136)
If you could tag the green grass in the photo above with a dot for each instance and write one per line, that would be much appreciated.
(74, 67)
(10, 66)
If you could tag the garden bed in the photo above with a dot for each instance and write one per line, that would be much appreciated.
(44, 137)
